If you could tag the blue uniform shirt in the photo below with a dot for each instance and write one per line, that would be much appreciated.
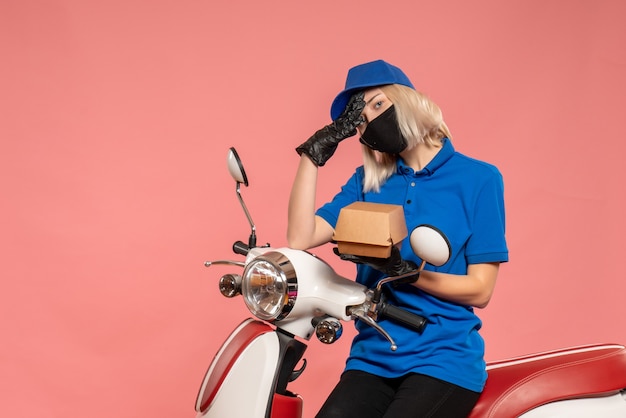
(464, 198)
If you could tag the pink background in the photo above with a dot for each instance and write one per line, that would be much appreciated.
(115, 120)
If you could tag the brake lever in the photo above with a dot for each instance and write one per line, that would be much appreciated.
(363, 316)
(227, 262)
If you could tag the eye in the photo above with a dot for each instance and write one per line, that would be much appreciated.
(378, 104)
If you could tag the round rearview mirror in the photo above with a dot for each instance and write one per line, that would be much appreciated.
(430, 244)
(235, 167)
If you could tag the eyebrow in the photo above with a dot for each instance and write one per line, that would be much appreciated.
(370, 100)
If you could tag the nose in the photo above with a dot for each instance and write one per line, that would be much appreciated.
(361, 128)
(367, 114)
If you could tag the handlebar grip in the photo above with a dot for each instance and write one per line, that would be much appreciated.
(410, 319)
(241, 248)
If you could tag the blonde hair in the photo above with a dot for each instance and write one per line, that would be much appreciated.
(421, 122)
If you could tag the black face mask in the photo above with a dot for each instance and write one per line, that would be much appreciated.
(383, 134)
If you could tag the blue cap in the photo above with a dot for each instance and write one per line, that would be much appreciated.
(370, 74)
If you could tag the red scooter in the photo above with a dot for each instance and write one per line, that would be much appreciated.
(294, 295)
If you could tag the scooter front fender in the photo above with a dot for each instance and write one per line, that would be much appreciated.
(241, 379)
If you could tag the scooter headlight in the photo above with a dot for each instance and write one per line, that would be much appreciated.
(269, 286)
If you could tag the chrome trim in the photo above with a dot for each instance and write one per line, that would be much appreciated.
(284, 265)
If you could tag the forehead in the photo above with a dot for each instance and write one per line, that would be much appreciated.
(372, 93)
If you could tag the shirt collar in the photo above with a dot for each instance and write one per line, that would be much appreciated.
(444, 154)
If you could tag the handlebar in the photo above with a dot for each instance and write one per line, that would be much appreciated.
(241, 248)
(410, 319)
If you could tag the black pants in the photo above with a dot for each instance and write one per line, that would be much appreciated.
(363, 395)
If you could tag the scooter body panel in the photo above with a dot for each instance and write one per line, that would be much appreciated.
(613, 406)
(529, 384)
(285, 406)
(319, 289)
(240, 380)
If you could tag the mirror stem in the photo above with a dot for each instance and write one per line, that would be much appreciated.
(252, 240)
(379, 286)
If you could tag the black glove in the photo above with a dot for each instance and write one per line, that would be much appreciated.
(322, 145)
(391, 267)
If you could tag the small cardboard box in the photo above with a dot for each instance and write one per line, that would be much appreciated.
(369, 229)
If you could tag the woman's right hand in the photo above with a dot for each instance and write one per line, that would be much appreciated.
(322, 145)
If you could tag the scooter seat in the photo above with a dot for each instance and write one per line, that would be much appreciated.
(517, 385)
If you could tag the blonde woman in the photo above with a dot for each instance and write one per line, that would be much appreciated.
(408, 160)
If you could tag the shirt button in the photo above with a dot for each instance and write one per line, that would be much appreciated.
(412, 184)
